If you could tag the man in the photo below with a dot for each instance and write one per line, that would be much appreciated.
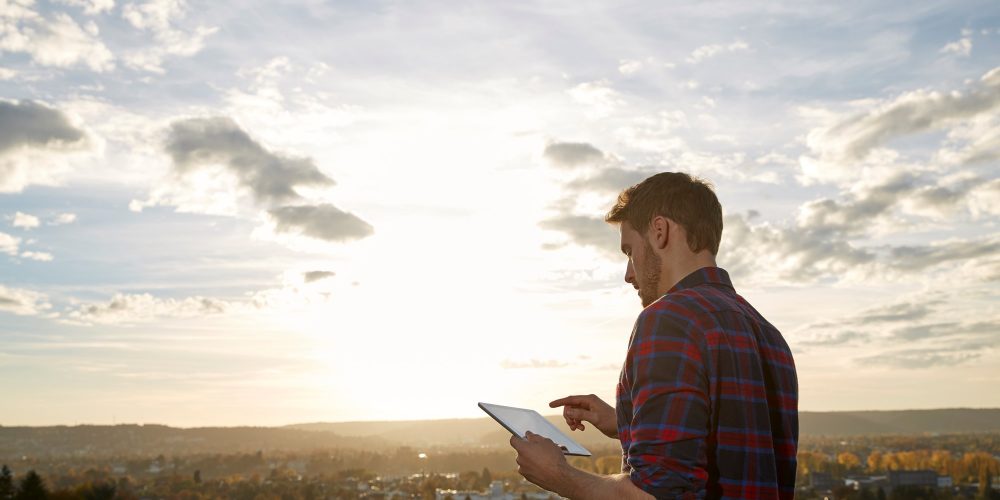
(707, 400)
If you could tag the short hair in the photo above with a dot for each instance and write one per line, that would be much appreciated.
(686, 200)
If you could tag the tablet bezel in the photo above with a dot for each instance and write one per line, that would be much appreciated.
(512, 431)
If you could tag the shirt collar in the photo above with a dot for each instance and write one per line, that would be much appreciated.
(704, 276)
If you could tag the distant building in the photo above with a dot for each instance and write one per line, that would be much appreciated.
(945, 482)
(927, 478)
(866, 482)
(823, 481)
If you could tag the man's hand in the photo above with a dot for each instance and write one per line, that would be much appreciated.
(541, 461)
(590, 408)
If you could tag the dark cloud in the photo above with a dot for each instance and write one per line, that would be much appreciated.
(834, 339)
(202, 142)
(28, 123)
(311, 276)
(324, 222)
(917, 258)
(572, 154)
(586, 231)
(951, 330)
(904, 311)
(916, 359)
(611, 180)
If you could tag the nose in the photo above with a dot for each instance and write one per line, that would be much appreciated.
(630, 274)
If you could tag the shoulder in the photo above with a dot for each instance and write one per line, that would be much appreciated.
(674, 315)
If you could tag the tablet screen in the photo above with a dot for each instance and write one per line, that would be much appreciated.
(520, 420)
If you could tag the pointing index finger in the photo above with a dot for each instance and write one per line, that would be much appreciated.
(568, 400)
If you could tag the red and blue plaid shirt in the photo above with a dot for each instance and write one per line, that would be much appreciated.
(708, 397)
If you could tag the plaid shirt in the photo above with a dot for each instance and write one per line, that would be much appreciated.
(708, 397)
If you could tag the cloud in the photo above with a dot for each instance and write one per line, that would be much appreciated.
(610, 180)
(961, 47)
(135, 308)
(54, 41)
(63, 218)
(29, 123)
(586, 231)
(533, 363)
(629, 66)
(22, 302)
(203, 143)
(949, 330)
(7, 74)
(311, 276)
(919, 257)
(852, 139)
(9, 244)
(708, 51)
(158, 17)
(916, 359)
(33, 139)
(899, 312)
(91, 7)
(324, 222)
(39, 256)
(835, 339)
(572, 154)
(25, 221)
(599, 98)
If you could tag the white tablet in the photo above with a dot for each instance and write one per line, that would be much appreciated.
(520, 420)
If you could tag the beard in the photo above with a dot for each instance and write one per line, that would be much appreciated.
(648, 289)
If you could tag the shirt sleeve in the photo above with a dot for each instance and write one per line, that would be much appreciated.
(670, 409)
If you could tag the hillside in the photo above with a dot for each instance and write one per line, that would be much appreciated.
(476, 433)
(484, 431)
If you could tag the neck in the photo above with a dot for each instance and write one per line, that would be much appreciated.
(681, 266)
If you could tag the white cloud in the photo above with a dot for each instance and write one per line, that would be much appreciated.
(7, 74)
(63, 218)
(55, 41)
(629, 66)
(137, 308)
(22, 302)
(708, 51)
(9, 244)
(961, 47)
(159, 17)
(25, 221)
(840, 147)
(39, 256)
(598, 97)
(91, 7)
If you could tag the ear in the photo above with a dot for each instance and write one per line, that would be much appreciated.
(659, 232)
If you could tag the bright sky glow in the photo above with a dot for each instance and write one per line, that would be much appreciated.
(302, 211)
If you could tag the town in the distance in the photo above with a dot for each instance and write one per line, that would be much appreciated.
(915, 454)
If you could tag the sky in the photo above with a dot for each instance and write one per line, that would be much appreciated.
(273, 213)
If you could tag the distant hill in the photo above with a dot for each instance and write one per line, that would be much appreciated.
(942, 421)
(473, 433)
(152, 440)
(484, 431)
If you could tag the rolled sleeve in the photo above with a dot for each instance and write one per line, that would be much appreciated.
(670, 409)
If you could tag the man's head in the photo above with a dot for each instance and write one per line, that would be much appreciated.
(671, 224)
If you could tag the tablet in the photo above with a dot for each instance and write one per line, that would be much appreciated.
(520, 420)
